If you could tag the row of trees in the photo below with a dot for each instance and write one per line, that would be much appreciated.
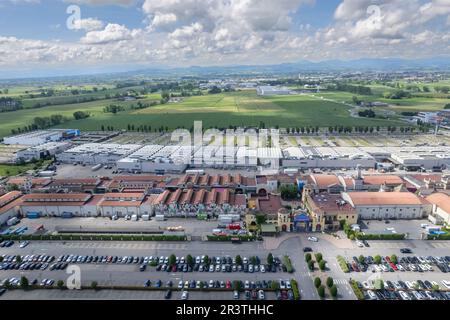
(356, 89)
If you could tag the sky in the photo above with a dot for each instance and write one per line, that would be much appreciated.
(41, 36)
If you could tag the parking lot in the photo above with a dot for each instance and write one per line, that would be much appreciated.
(411, 227)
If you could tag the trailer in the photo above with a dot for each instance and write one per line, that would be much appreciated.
(96, 167)
(12, 221)
(160, 217)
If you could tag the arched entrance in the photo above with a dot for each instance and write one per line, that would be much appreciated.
(262, 192)
(318, 227)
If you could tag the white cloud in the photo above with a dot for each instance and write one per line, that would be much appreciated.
(102, 2)
(112, 33)
(88, 24)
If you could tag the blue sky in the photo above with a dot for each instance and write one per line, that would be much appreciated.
(126, 33)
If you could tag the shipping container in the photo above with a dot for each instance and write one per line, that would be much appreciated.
(33, 215)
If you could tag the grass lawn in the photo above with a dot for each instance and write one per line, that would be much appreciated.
(12, 170)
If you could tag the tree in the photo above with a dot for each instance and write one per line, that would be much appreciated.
(253, 260)
(60, 284)
(275, 285)
(322, 265)
(7, 284)
(18, 259)
(172, 260)
(333, 291)
(189, 260)
(311, 265)
(24, 284)
(238, 260)
(289, 192)
(260, 219)
(394, 259)
(308, 257)
(377, 259)
(318, 257)
(78, 115)
(206, 259)
(361, 259)
(237, 285)
(94, 285)
(330, 282)
(321, 291)
(270, 258)
(1, 259)
(317, 282)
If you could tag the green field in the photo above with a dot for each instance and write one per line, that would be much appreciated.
(12, 170)
(243, 108)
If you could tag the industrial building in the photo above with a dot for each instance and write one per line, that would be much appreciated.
(8, 206)
(97, 153)
(41, 151)
(387, 205)
(326, 157)
(156, 159)
(272, 90)
(36, 138)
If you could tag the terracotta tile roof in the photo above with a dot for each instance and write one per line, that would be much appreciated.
(270, 204)
(383, 179)
(441, 200)
(385, 198)
(324, 180)
(57, 197)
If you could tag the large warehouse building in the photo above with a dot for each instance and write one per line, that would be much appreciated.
(36, 138)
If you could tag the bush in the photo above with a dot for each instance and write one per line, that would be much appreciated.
(270, 258)
(294, 286)
(377, 259)
(321, 291)
(319, 257)
(394, 259)
(311, 265)
(361, 259)
(330, 282)
(322, 265)
(288, 264)
(342, 264)
(333, 291)
(308, 257)
(358, 292)
(24, 284)
(94, 285)
(60, 284)
(394, 236)
(317, 282)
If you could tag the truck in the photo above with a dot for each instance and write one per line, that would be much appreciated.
(146, 217)
(47, 173)
(12, 221)
(199, 172)
(160, 217)
(134, 217)
(96, 167)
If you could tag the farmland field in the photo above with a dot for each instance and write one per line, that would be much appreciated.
(243, 108)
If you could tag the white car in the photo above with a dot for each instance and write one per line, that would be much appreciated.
(211, 284)
(184, 295)
(400, 268)
(366, 285)
(359, 244)
(372, 295)
(404, 295)
(180, 284)
(24, 244)
(409, 284)
(247, 284)
(313, 239)
(446, 283)
(262, 268)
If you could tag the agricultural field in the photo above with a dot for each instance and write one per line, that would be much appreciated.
(13, 170)
(242, 108)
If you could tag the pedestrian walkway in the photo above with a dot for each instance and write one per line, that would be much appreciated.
(442, 245)
(126, 245)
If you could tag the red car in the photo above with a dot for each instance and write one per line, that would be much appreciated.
(228, 284)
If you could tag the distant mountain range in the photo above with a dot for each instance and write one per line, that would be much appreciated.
(382, 65)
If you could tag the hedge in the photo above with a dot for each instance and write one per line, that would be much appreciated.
(358, 292)
(97, 237)
(394, 236)
(294, 286)
(343, 264)
(229, 238)
(439, 236)
(288, 264)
